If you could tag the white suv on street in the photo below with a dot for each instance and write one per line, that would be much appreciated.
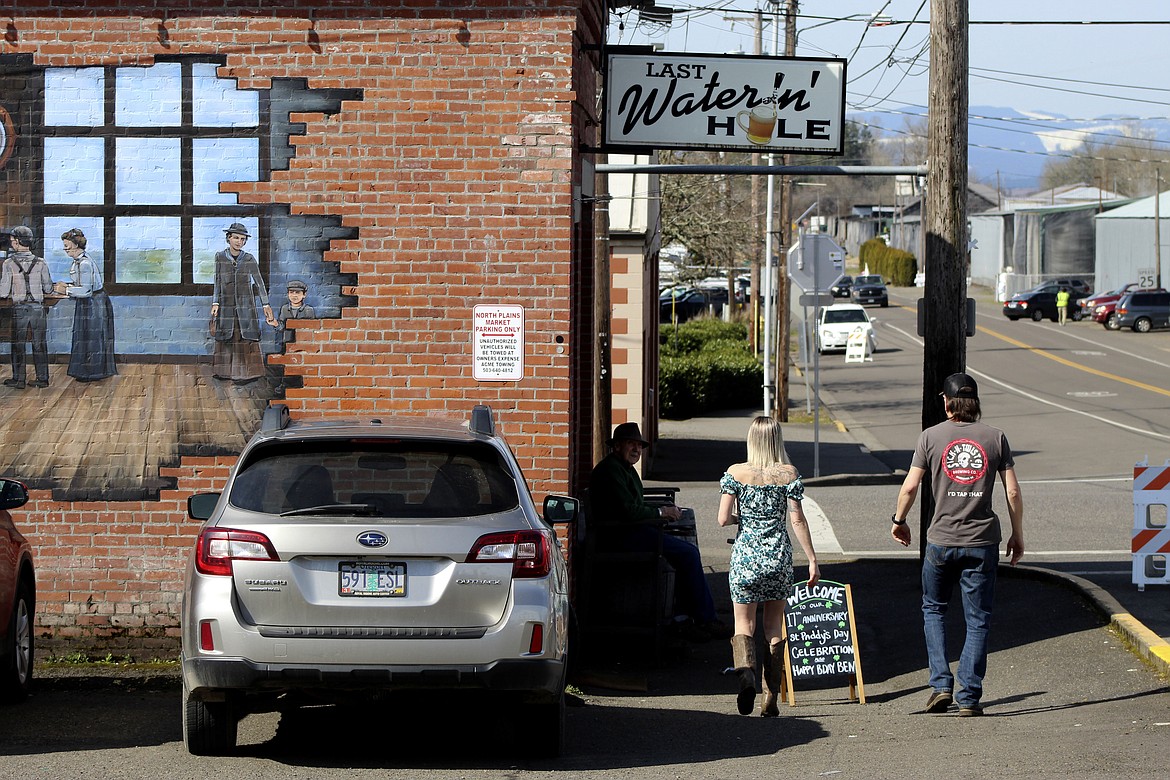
(352, 560)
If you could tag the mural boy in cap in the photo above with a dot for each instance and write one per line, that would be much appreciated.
(233, 310)
(25, 279)
(964, 457)
(295, 309)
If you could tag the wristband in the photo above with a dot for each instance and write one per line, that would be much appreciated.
(894, 519)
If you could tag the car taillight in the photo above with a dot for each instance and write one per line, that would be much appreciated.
(218, 547)
(536, 641)
(529, 552)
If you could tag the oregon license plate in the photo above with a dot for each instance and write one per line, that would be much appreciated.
(371, 579)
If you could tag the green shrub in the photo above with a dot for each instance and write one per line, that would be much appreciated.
(895, 265)
(707, 365)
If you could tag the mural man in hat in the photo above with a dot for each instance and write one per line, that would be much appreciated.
(25, 279)
(234, 325)
(616, 494)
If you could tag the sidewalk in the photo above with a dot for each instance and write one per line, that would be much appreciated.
(832, 454)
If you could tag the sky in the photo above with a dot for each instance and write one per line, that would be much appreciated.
(1075, 70)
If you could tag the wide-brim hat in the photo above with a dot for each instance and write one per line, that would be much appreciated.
(237, 227)
(627, 431)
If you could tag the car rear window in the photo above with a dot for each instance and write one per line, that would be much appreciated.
(380, 478)
(851, 315)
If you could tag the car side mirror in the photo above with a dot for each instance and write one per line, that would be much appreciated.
(560, 509)
(201, 505)
(13, 494)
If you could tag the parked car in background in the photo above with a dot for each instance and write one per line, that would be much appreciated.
(349, 561)
(1078, 288)
(18, 596)
(679, 304)
(1101, 307)
(1144, 310)
(838, 322)
(842, 286)
(1036, 304)
(870, 289)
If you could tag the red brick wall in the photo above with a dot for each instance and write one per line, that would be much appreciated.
(457, 168)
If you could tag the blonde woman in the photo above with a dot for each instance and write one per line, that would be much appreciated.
(768, 493)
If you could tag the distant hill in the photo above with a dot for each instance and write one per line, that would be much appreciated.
(1010, 147)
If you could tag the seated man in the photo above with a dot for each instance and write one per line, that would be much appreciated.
(616, 496)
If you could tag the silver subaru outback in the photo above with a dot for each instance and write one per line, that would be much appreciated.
(351, 560)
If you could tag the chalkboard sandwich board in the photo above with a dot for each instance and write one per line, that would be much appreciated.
(820, 637)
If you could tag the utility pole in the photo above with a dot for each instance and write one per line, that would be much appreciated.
(782, 295)
(754, 309)
(945, 221)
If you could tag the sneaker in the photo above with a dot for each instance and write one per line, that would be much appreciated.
(939, 701)
(973, 711)
(17, 383)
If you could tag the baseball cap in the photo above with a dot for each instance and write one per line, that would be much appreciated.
(960, 386)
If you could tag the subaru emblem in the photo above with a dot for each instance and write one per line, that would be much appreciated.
(372, 539)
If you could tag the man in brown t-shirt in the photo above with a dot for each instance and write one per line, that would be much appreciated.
(963, 456)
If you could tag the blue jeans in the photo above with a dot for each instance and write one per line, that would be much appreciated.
(973, 569)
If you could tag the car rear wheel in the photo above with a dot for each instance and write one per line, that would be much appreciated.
(18, 671)
(1142, 325)
(209, 728)
(1037, 315)
(1112, 322)
(1077, 315)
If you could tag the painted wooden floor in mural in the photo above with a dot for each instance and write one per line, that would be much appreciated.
(107, 440)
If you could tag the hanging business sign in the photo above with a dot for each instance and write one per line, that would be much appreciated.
(665, 100)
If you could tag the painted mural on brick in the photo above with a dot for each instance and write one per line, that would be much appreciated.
(144, 304)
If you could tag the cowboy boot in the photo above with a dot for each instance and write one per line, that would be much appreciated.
(743, 653)
(773, 669)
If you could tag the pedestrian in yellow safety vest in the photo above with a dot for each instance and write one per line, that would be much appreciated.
(1062, 304)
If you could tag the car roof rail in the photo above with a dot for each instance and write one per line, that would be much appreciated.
(481, 420)
(276, 418)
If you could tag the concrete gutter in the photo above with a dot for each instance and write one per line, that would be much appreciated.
(1141, 641)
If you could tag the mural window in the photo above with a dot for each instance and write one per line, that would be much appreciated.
(136, 155)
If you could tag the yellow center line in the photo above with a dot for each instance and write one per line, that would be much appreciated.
(1071, 364)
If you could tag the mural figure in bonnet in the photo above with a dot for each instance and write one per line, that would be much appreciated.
(92, 354)
(234, 324)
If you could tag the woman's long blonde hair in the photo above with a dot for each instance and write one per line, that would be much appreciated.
(765, 444)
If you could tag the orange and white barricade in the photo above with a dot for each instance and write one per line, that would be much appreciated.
(1151, 534)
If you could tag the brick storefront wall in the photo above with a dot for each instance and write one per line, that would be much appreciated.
(457, 170)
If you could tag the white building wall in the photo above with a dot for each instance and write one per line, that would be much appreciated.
(988, 255)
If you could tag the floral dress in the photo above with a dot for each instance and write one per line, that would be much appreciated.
(761, 559)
